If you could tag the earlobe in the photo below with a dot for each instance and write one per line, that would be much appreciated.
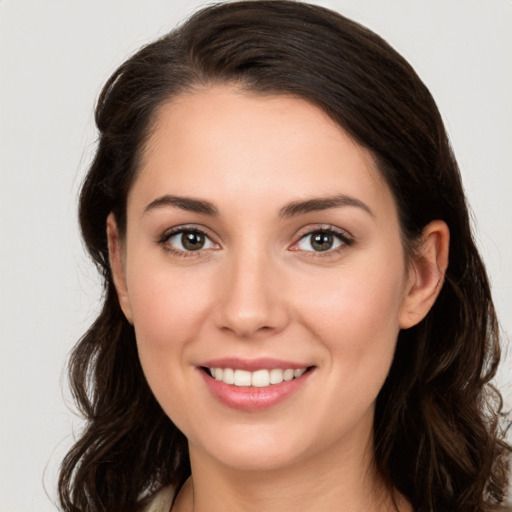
(426, 274)
(117, 266)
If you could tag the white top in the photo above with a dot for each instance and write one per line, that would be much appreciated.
(161, 501)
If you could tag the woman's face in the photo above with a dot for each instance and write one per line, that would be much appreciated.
(261, 240)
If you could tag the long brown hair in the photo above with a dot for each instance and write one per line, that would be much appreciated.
(437, 429)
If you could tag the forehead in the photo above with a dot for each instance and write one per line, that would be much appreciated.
(230, 142)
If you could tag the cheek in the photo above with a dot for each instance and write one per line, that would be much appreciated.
(166, 303)
(168, 309)
(168, 312)
(355, 314)
(362, 297)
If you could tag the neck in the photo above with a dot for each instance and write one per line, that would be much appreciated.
(332, 481)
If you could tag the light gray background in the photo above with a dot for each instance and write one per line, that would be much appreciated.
(56, 54)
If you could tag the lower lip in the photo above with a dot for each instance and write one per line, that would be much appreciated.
(252, 398)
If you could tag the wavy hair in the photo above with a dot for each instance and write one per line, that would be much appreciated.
(437, 429)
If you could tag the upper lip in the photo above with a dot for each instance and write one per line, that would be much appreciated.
(262, 363)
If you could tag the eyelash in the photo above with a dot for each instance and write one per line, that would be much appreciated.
(164, 240)
(345, 239)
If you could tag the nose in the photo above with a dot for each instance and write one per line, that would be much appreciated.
(252, 300)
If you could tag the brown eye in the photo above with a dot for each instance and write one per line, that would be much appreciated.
(187, 240)
(192, 240)
(322, 240)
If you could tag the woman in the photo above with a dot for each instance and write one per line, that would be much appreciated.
(295, 313)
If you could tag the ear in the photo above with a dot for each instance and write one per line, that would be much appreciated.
(426, 273)
(116, 258)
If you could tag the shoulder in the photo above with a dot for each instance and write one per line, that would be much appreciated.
(161, 501)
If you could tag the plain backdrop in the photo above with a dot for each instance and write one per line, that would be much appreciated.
(54, 57)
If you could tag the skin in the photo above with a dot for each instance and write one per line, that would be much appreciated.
(259, 289)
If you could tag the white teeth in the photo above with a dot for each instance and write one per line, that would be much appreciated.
(242, 378)
(276, 376)
(298, 373)
(260, 379)
(288, 374)
(228, 376)
(257, 379)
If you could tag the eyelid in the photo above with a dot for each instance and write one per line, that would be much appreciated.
(169, 233)
(346, 238)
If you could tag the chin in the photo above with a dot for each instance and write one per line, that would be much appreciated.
(252, 449)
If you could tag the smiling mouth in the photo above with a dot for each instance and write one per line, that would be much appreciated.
(257, 379)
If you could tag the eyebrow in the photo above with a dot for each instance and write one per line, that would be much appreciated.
(290, 210)
(322, 203)
(184, 203)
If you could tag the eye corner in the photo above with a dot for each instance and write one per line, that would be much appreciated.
(337, 240)
(173, 241)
